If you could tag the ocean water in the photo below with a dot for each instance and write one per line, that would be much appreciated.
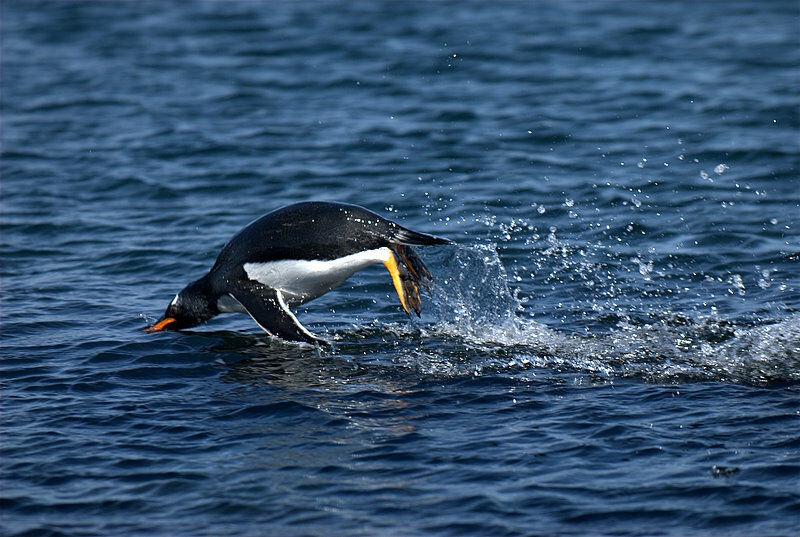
(612, 346)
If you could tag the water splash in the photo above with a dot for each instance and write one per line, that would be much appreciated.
(476, 306)
(473, 298)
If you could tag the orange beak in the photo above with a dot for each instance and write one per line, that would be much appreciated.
(159, 326)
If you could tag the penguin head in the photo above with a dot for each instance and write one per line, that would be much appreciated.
(192, 306)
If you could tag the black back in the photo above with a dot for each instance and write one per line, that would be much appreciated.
(313, 230)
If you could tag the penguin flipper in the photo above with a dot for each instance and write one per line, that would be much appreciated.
(269, 310)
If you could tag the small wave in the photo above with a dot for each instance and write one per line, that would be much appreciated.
(474, 303)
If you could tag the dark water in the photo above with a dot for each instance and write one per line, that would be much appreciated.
(612, 348)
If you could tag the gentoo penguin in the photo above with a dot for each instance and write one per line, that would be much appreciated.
(293, 255)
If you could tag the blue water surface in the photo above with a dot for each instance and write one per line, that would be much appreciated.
(612, 347)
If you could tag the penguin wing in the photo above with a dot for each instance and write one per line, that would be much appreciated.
(269, 310)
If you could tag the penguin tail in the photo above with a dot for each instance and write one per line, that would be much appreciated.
(407, 237)
(409, 273)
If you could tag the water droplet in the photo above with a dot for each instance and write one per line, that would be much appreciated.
(645, 268)
(720, 169)
(541, 209)
(569, 203)
(737, 282)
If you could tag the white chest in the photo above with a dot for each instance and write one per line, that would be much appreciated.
(304, 280)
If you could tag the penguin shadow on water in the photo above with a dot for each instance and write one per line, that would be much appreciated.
(258, 360)
(344, 393)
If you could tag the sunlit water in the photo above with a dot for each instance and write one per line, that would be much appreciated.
(612, 346)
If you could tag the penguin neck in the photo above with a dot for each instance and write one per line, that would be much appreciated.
(202, 301)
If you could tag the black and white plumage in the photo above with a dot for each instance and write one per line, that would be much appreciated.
(296, 254)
